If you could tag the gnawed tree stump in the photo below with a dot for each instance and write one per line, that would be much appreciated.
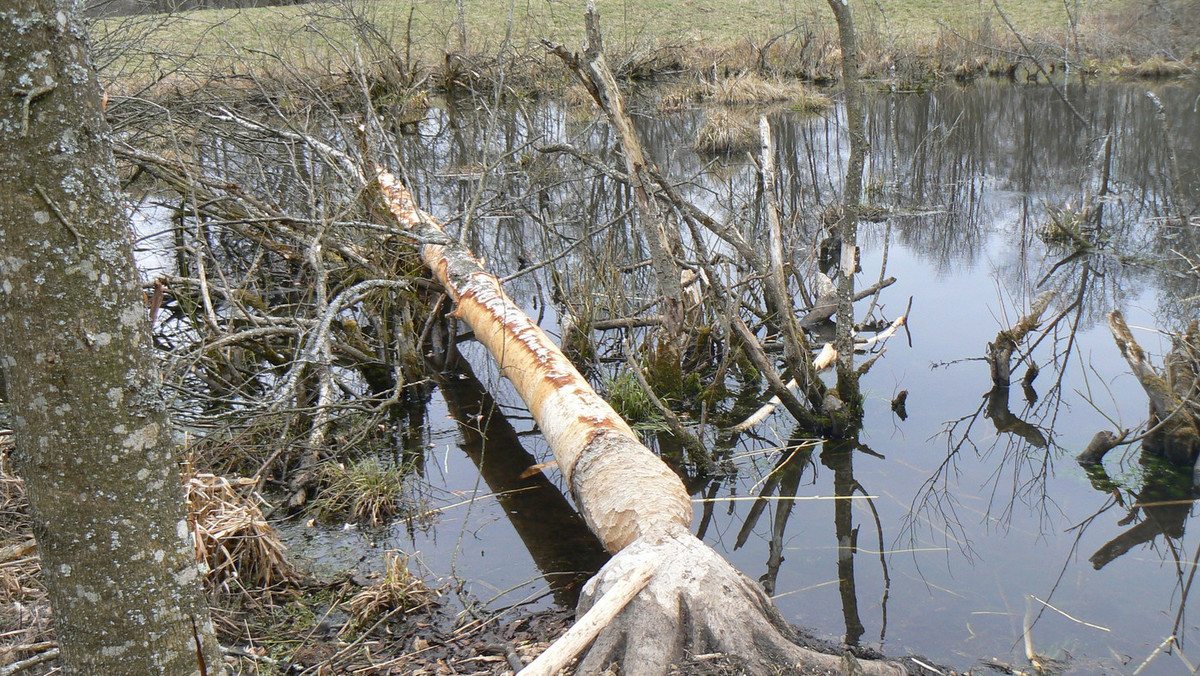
(1103, 442)
(696, 602)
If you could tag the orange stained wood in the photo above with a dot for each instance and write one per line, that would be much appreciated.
(565, 406)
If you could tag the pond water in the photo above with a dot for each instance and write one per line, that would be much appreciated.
(971, 534)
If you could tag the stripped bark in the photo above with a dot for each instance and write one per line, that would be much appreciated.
(696, 601)
(827, 304)
(584, 431)
(822, 361)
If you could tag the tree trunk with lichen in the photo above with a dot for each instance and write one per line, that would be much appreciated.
(88, 406)
(696, 602)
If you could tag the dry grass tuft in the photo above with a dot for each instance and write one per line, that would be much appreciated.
(233, 537)
(726, 132)
(742, 90)
(398, 591)
(24, 607)
(1155, 67)
(749, 89)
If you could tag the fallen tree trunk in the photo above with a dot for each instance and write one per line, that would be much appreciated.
(696, 602)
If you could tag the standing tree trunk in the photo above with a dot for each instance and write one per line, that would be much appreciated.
(88, 406)
(851, 194)
(696, 602)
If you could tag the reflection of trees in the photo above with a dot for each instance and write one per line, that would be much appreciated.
(1164, 506)
(1115, 212)
(838, 456)
(783, 480)
(779, 490)
(556, 536)
(1162, 502)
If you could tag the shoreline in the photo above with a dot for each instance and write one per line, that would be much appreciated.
(393, 54)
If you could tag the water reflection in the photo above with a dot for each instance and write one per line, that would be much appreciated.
(1161, 506)
(552, 531)
(973, 496)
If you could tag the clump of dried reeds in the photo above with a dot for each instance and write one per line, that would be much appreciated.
(24, 607)
(233, 537)
(1155, 67)
(398, 591)
(724, 131)
(743, 90)
(749, 88)
(367, 491)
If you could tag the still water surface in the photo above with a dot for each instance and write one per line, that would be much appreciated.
(971, 532)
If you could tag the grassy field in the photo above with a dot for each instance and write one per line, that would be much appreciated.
(328, 39)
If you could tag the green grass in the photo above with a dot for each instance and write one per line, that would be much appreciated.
(321, 38)
(626, 22)
(368, 491)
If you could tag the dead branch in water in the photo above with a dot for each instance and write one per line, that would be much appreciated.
(1000, 351)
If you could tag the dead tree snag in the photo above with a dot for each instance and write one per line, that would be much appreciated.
(1000, 351)
(1175, 433)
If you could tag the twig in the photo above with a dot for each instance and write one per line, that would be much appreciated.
(59, 214)
(30, 95)
(29, 662)
(1161, 646)
(593, 621)
(1068, 616)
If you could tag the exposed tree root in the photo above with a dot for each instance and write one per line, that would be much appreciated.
(699, 604)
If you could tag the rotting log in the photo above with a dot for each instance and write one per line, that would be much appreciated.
(1000, 351)
(696, 602)
(1177, 435)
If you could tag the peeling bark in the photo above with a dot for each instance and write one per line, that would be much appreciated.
(591, 443)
